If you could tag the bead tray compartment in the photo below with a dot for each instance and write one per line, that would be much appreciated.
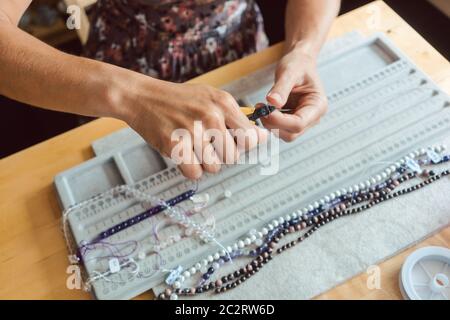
(381, 107)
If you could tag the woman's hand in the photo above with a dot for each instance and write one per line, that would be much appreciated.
(160, 109)
(297, 87)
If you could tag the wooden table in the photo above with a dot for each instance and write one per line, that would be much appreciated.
(33, 256)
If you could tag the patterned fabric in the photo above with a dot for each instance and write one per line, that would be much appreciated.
(174, 40)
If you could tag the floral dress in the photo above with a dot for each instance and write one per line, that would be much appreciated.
(174, 40)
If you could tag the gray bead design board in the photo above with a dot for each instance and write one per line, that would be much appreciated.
(381, 106)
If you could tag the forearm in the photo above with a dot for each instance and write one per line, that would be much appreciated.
(35, 73)
(308, 23)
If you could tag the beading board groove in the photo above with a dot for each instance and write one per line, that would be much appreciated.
(372, 119)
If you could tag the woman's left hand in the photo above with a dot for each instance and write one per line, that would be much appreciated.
(297, 87)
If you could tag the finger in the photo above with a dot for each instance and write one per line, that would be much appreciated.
(289, 136)
(302, 118)
(225, 146)
(247, 135)
(311, 114)
(288, 122)
(191, 168)
(206, 155)
(281, 90)
(181, 150)
(222, 141)
(204, 150)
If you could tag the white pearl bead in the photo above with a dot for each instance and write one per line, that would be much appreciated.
(327, 199)
(173, 296)
(204, 262)
(192, 270)
(229, 249)
(294, 215)
(186, 274)
(216, 265)
(259, 242)
(332, 196)
(310, 208)
(275, 223)
(198, 266)
(253, 231)
(287, 217)
(241, 244)
(265, 231)
(216, 256)
(259, 235)
(270, 227)
(235, 247)
(176, 284)
(141, 255)
(210, 258)
(252, 238)
(280, 220)
(372, 181)
(247, 241)
(228, 194)
(204, 269)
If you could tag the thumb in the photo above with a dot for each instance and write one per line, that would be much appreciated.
(281, 90)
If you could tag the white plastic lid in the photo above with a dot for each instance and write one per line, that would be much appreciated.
(425, 274)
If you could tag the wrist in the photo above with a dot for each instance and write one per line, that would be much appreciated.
(121, 93)
(302, 47)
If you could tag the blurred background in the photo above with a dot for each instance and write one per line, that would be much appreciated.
(22, 126)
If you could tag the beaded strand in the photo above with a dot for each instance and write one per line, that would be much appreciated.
(238, 277)
(326, 208)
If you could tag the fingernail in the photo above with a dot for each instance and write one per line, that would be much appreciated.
(275, 96)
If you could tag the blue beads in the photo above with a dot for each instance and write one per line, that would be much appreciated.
(147, 214)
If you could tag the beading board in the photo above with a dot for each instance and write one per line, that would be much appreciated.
(381, 106)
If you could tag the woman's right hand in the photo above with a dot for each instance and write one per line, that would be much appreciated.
(158, 109)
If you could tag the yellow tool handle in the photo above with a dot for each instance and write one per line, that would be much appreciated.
(247, 110)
